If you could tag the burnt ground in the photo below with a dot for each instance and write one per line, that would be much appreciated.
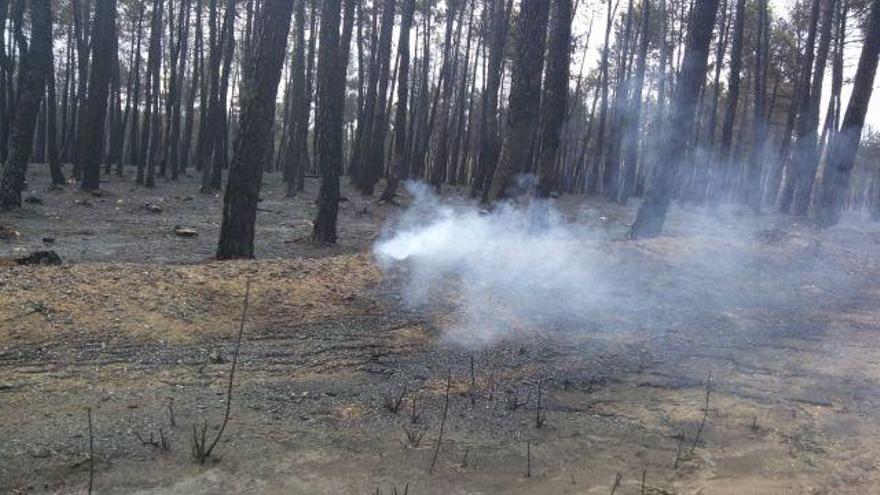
(782, 317)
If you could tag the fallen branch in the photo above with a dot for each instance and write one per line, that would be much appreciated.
(91, 451)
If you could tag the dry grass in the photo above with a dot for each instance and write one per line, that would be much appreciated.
(175, 303)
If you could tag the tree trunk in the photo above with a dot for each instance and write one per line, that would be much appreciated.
(31, 83)
(150, 137)
(525, 96)
(91, 131)
(375, 152)
(186, 146)
(52, 125)
(634, 113)
(652, 213)
(253, 135)
(801, 105)
(173, 107)
(752, 193)
(806, 154)
(399, 169)
(332, 62)
(841, 157)
(725, 165)
(490, 147)
(555, 93)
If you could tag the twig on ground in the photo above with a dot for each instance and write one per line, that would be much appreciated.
(644, 476)
(442, 422)
(414, 436)
(393, 404)
(705, 414)
(413, 415)
(473, 390)
(680, 438)
(150, 441)
(464, 462)
(528, 459)
(91, 451)
(200, 451)
(171, 419)
(540, 417)
(616, 485)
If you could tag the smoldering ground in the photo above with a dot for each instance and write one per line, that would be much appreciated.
(532, 266)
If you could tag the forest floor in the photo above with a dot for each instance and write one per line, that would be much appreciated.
(138, 324)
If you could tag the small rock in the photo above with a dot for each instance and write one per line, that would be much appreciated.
(34, 200)
(184, 232)
(153, 207)
(40, 453)
(49, 240)
(7, 234)
(215, 357)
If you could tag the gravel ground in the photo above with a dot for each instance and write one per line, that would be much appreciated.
(139, 326)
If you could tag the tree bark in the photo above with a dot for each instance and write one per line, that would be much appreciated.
(31, 83)
(725, 165)
(91, 132)
(399, 169)
(806, 153)
(332, 61)
(254, 131)
(490, 147)
(801, 104)
(555, 93)
(841, 157)
(634, 113)
(652, 213)
(525, 93)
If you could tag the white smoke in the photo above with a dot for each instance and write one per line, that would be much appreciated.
(514, 269)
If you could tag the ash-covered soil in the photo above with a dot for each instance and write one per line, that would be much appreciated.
(139, 325)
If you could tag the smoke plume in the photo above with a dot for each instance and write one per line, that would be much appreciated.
(502, 272)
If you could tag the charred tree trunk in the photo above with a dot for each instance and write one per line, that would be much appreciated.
(332, 61)
(555, 93)
(52, 124)
(150, 133)
(525, 93)
(399, 167)
(806, 153)
(299, 114)
(91, 132)
(31, 83)
(197, 68)
(801, 105)
(173, 108)
(726, 168)
(490, 145)
(375, 152)
(134, 123)
(652, 213)
(634, 113)
(254, 131)
(752, 193)
(841, 157)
